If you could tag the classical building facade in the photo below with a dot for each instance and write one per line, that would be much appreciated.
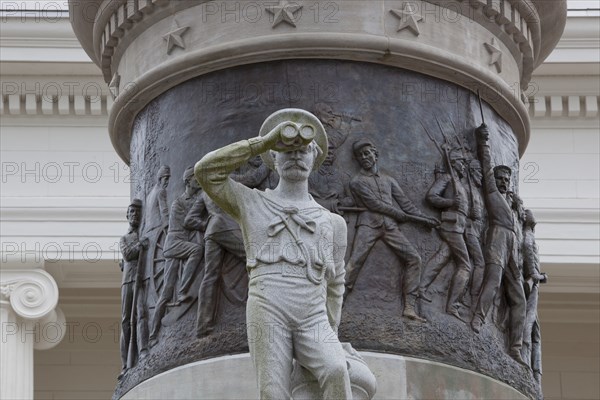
(65, 193)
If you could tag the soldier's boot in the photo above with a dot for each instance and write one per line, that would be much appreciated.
(457, 291)
(453, 310)
(538, 376)
(515, 353)
(152, 341)
(204, 329)
(155, 327)
(122, 373)
(351, 275)
(423, 294)
(410, 311)
(476, 323)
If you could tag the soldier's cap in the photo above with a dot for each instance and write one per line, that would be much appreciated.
(164, 171)
(360, 143)
(298, 116)
(530, 218)
(323, 108)
(502, 168)
(136, 203)
(189, 172)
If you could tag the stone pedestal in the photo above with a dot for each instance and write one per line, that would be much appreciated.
(398, 377)
(29, 321)
(188, 77)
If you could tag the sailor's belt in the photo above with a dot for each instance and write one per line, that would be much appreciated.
(284, 269)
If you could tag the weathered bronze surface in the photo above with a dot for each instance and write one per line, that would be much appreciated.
(424, 133)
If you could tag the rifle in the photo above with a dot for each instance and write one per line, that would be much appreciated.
(480, 109)
(133, 350)
(460, 142)
(409, 217)
(472, 200)
(447, 156)
(432, 139)
(347, 116)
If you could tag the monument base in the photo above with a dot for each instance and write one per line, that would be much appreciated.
(398, 377)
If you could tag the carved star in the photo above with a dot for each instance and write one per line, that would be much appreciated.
(174, 38)
(495, 54)
(113, 86)
(284, 12)
(408, 19)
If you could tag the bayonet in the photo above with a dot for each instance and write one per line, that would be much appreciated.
(480, 108)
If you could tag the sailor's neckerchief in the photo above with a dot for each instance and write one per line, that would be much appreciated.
(289, 218)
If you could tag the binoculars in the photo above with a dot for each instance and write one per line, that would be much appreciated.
(296, 134)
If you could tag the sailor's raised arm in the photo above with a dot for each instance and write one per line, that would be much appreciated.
(213, 170)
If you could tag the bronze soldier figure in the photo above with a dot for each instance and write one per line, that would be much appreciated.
(449, 194)
(329, 185)
(131, 246)
(222, 235)
(179, 249)
(501, 251)
(156, 209)
(475, 229)
(532, 339)
(378, 193)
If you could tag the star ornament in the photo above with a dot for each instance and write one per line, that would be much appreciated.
(495, 54)
(284, 12)
(409, 19)
(174, 38)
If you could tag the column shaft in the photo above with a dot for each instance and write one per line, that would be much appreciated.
(16, 355)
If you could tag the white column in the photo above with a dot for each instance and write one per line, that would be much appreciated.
(29, 319)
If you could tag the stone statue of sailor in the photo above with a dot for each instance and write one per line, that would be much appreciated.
(295, 255)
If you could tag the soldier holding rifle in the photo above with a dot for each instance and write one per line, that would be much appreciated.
(449, 194)
(501, 251)
(131, 246)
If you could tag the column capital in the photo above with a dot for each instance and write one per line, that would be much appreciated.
(28, 304)
(31, 293)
